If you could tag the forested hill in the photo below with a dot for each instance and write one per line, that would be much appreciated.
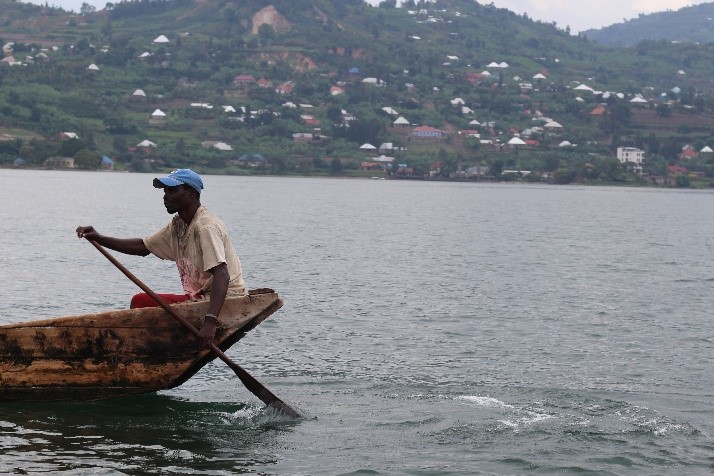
(693, 24)
(302, 85)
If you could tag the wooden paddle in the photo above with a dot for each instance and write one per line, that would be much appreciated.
(255, 387)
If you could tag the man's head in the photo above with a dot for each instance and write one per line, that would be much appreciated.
(180, 177)
(182, 190)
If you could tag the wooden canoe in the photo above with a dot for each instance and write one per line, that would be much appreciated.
(118, 353)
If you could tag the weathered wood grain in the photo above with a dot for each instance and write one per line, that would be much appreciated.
(117, 353)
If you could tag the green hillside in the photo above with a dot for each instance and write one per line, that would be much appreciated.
(692, 24)
(300, 86)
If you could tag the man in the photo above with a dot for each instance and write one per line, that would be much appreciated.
(196, 240)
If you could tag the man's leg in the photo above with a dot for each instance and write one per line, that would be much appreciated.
(144, 300)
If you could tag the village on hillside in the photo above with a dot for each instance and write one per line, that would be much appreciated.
(326, 129)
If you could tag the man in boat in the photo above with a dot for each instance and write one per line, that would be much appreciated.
(196, 240)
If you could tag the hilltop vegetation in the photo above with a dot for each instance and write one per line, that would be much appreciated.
(692, 24)
(299, 86)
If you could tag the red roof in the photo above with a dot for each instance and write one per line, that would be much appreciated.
(426, 129)
(676, 169)
(245, 78)
(472, 77)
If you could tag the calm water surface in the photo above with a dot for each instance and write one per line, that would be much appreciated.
(428, 329)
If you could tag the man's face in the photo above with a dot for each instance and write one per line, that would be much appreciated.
(177, 198)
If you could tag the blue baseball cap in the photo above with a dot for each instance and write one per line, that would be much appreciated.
(180, 177)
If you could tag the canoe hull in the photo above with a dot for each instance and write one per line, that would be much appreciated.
(117, 353)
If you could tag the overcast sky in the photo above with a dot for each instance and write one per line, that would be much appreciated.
(578, 14)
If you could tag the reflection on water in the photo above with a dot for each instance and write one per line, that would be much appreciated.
(137, 433)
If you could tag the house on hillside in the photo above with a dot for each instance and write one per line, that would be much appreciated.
(59, 163)
(386, 147)
(244, 80)
(638, 100)
(370, 166)
(475, 78)
(375, 82)
(309, 120)
(516, 143)
(285, 88)
(401, 122)
(428, 132)
(687, 153)
(157, 116)
(146, 144)
(367, 147)
(677, 170)
(264, 83)
(631, 156)
(303, 137)
(525, 87)
(251, 160)
(213, 144)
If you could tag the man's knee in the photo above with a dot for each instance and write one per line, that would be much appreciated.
(141, 300)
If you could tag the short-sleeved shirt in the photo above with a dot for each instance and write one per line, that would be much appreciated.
(196, 248)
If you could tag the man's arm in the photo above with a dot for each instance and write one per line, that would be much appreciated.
(219, 289)
(130, 246)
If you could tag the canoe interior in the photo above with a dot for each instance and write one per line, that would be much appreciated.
(117, 353)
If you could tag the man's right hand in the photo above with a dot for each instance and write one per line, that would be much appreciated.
(87, 232)
(130, 246)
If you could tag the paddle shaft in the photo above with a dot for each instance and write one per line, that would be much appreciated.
(255, 387)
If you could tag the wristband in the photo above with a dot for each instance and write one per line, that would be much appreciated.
(211, 318)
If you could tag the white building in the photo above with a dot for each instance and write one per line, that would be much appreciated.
(631, 156)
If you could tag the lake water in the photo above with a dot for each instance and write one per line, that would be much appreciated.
(428, 328)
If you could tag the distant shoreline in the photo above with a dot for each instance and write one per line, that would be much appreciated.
(694, 185)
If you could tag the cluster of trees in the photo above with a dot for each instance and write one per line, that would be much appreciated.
(36, 152)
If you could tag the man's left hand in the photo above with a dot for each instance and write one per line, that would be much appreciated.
(206, 334)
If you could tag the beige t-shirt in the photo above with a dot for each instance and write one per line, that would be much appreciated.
(197, 247)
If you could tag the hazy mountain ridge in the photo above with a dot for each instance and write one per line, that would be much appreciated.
(692, 24)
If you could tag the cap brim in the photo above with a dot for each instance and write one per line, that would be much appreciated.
(166, 182)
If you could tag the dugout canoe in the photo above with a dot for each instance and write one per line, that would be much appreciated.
(118, 353)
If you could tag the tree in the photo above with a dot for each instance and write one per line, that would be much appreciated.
(334, 114)
(266, 34)
(70, 147)
(86, 8)
(664, 110)
(86, 159)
